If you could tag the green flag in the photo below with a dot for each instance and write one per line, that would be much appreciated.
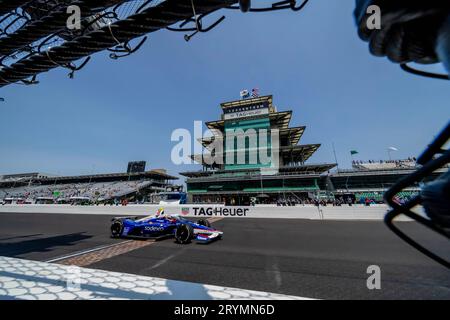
(353, 152)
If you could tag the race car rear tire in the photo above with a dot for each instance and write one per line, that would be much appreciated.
(204, 222)
(184, 234)
(116, 229)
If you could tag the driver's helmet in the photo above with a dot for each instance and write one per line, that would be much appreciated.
(160, 212)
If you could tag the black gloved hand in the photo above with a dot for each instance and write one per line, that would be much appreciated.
(409, 28)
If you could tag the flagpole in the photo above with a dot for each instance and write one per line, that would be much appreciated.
(352, 153)
(335, 157)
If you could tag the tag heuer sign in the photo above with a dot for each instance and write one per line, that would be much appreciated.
(246, 111)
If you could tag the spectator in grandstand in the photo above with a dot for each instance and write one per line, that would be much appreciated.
(349, 201)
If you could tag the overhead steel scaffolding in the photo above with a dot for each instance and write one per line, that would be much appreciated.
(34, 37)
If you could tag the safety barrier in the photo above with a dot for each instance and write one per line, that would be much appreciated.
(356, 212)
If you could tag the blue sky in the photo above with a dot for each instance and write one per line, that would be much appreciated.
(312, 62)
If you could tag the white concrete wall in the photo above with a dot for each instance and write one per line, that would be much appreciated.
(356, 212)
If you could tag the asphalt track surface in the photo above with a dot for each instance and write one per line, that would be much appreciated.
(315, 259)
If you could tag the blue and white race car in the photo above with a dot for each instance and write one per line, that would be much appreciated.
(162, 226)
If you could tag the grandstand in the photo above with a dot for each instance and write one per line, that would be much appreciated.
(409, 163)
(101, 188)
(369, 180)
(14, 178)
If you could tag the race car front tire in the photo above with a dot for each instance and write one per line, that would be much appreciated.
(184, 233)
(116, 229)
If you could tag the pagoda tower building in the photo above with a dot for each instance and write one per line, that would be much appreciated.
(254, 156)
